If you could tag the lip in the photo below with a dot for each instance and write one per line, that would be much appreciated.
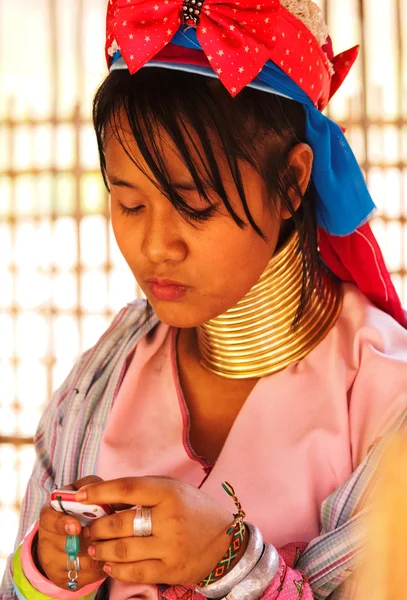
(166, 289)
(164, 282)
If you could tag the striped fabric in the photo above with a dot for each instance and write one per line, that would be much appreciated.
(69, 434)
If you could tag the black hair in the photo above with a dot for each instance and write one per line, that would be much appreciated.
(255, 126)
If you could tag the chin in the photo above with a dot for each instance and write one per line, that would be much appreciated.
(179, 314)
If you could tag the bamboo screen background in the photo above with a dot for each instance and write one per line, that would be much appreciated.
(61, 276)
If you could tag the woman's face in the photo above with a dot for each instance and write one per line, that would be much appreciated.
(214, 263)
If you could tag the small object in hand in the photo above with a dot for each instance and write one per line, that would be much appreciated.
(72, 547)
(72, 583)
(65, 501)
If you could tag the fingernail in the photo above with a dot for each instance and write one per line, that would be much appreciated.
(80, 496)
(91, 550)
(70, 528)
(107, 569)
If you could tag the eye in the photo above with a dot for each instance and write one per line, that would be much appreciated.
(198, 208)
(125, 210)
(200, 215)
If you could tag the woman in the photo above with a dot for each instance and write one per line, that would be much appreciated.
(241, 212)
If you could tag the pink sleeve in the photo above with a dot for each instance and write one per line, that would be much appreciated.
(289, 583)
(41, 583)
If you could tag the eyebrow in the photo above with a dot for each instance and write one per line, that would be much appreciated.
(185, 186)
(114, 180)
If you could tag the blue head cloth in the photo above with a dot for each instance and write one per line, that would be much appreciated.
(343, 200)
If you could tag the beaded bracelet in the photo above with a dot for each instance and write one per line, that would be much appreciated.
(238, 529)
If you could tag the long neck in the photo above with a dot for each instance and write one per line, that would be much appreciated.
(256, 337)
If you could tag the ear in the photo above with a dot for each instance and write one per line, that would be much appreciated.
(300, 161)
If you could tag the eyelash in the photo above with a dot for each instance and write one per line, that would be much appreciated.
(129, 211)
(202, 215)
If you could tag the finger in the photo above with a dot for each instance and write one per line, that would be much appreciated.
(58, 523)
(88, 480)
(58, 542)
(56, 567)
(125, 550)
(149, 572)
(50, 540)
(117, 507)
(142, 491)
(118, 525)
(89, 565)
(75, 485)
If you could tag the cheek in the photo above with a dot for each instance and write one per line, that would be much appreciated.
(119, 233)
(239, 257)
(242, 269)
(127, 238)
(233, 265)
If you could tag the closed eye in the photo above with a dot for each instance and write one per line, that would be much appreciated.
(125, 210)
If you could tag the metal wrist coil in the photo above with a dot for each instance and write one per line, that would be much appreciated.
(246, 564)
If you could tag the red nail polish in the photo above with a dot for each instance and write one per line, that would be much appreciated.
(107, 569)
(91, 550)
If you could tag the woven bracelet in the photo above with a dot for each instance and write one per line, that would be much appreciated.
(238, 529)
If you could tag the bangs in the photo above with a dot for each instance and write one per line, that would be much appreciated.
(202, 122)
(158, 113)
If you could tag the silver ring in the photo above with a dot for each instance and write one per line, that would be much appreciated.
(142, 522)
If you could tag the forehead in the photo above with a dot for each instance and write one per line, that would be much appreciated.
(123, 148)
(126, 150)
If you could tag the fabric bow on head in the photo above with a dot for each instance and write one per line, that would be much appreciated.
(238, 38)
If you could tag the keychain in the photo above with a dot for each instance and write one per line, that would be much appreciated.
(72, 548)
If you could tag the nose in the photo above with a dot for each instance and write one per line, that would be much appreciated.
(162, 241)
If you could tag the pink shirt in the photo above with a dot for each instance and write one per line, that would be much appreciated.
(299, 435)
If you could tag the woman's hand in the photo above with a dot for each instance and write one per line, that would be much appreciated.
(188, 538)
(54, 527)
